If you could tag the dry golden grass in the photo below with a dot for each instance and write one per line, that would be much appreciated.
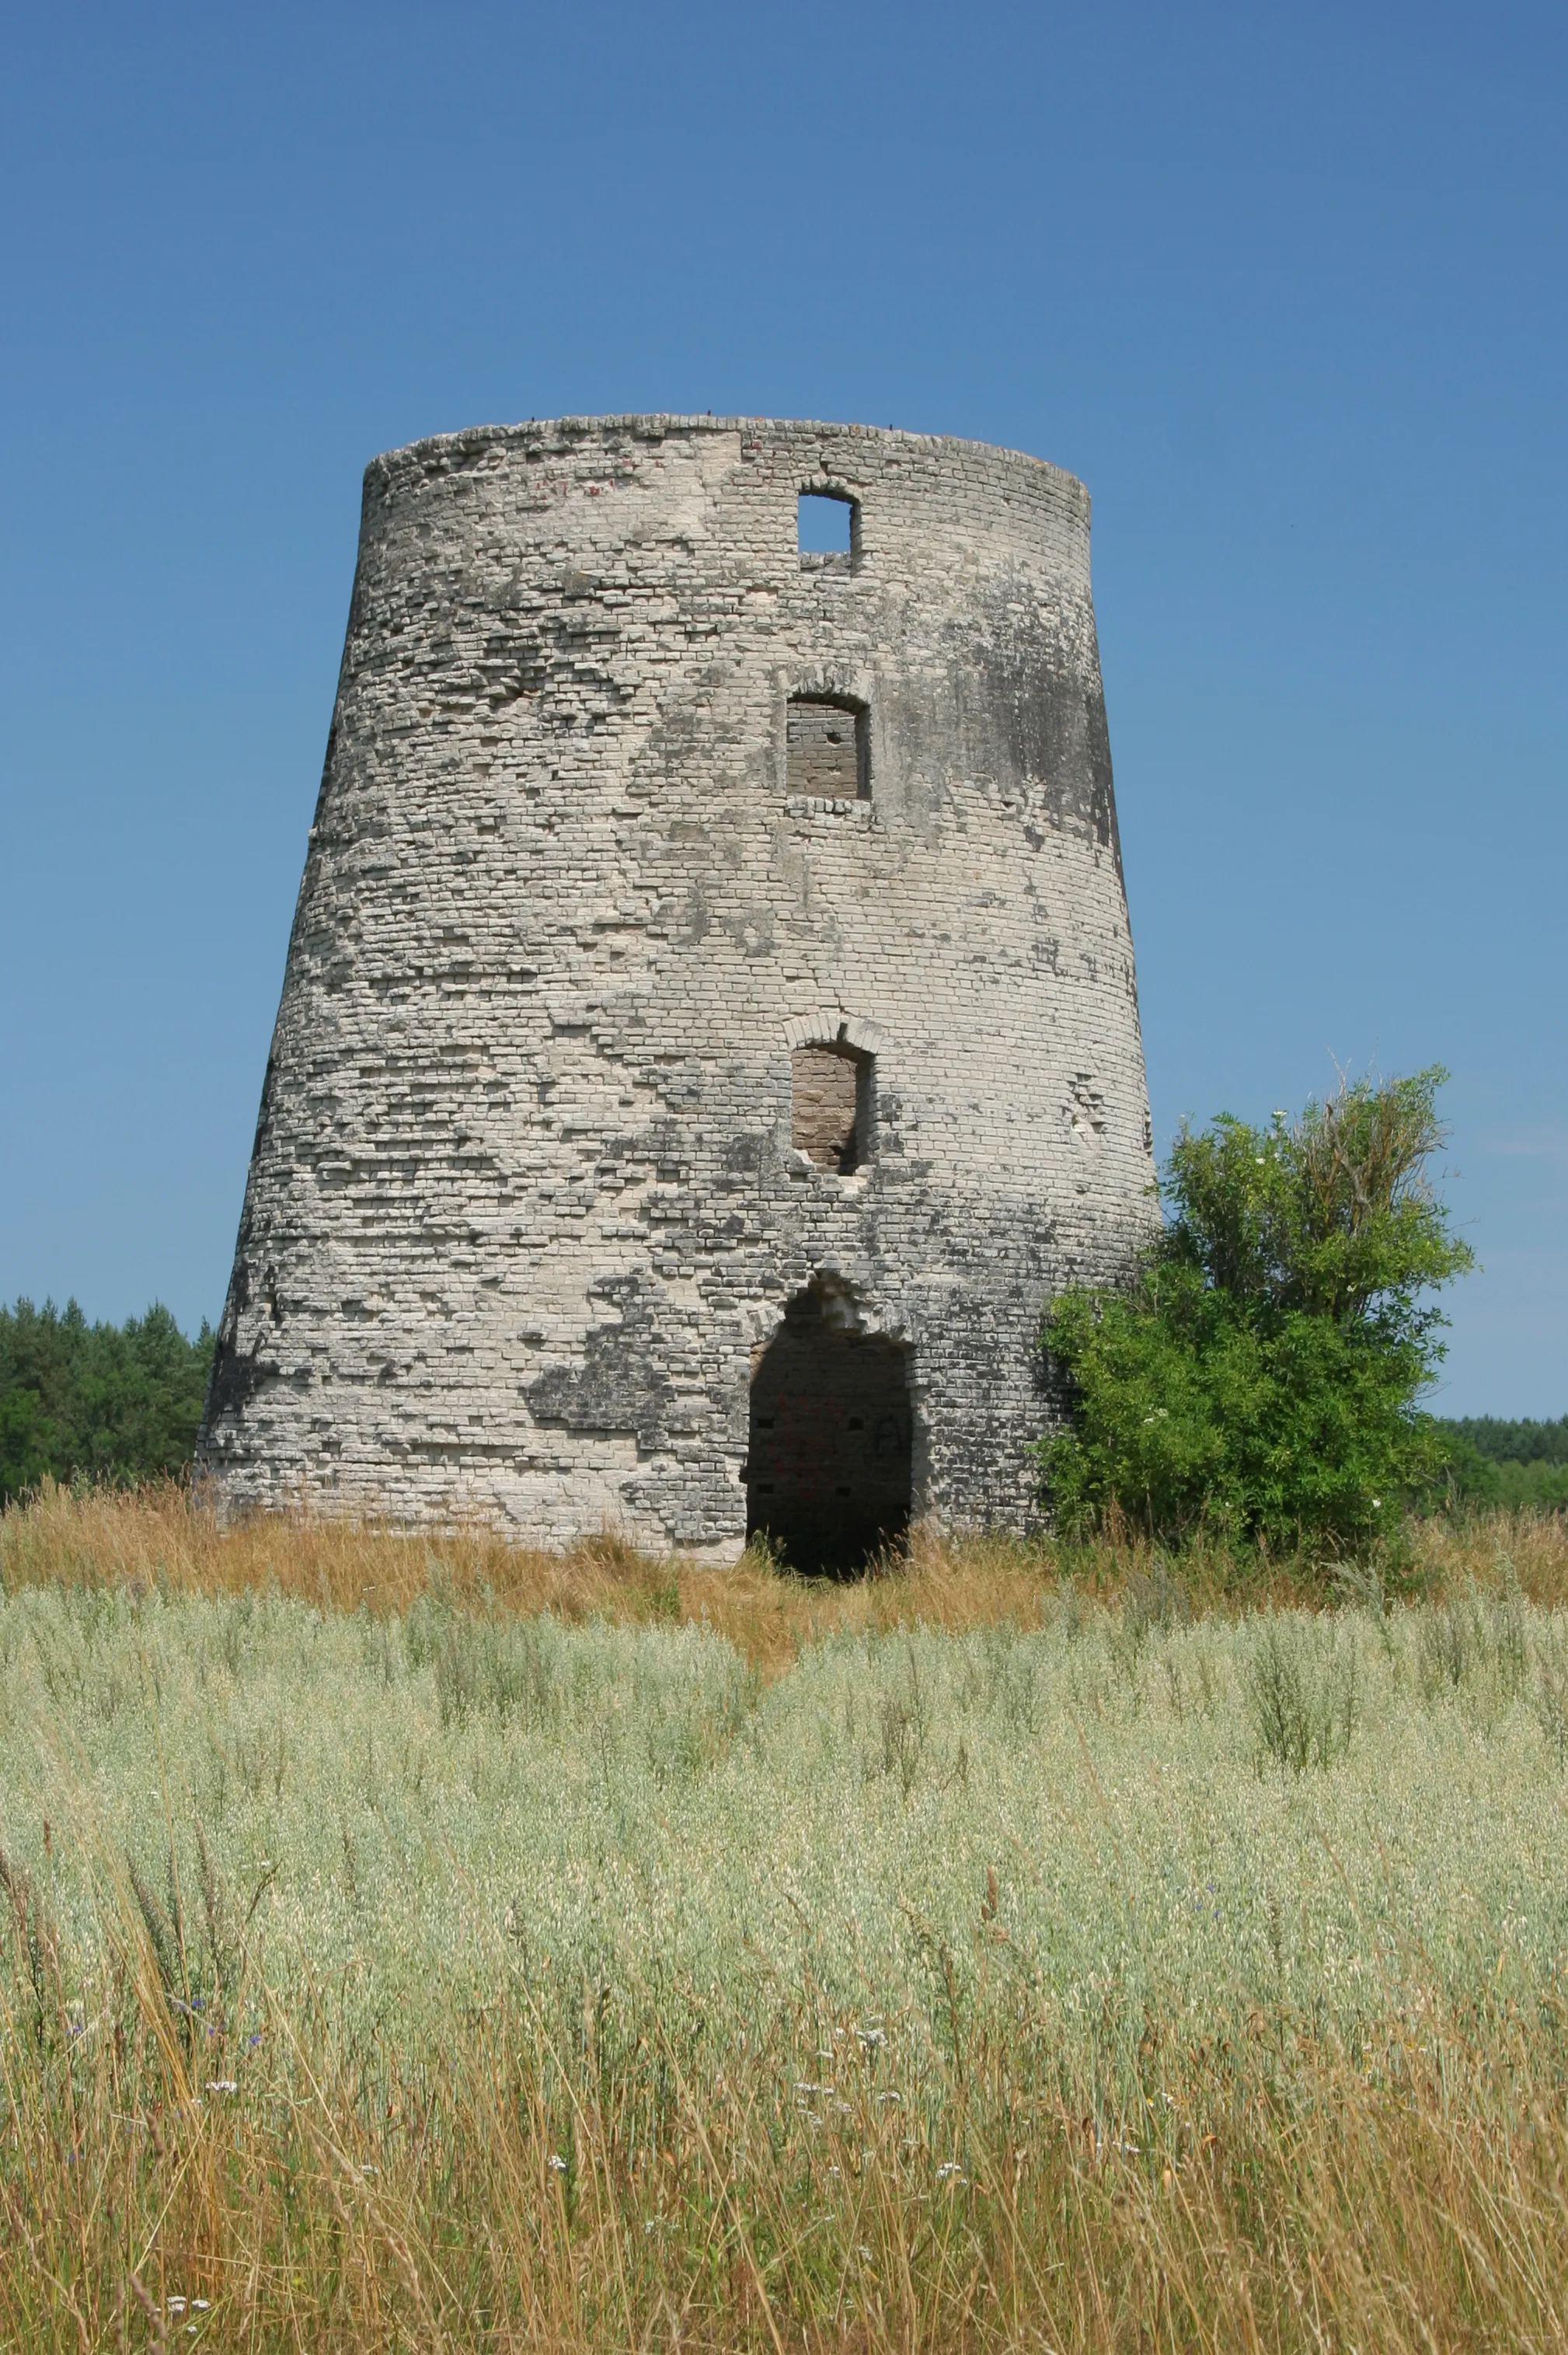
(508, 2194)
(508, 2188)
(165, 1536)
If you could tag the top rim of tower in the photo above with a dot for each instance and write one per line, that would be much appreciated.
(657, 424)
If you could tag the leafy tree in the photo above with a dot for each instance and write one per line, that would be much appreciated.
(1257, 1374)
(104, 1401)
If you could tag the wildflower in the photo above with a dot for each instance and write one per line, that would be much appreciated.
(223, 2085)
(201, 2305)
(556, 2163)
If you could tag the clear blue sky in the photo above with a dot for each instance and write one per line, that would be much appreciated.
(1286, 286)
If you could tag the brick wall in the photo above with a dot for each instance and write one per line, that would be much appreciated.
(524, 1206)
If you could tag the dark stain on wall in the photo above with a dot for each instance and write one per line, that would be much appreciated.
(620, 1384)
(238, 1375)
(1033, 713)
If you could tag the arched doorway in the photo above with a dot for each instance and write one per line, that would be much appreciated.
(828, 1467)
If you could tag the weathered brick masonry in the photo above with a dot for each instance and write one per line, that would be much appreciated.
(524, 1213)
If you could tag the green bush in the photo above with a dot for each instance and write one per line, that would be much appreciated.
(116, 1403)
(1257, 1375)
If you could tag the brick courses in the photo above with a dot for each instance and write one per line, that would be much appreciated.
(523, 1209)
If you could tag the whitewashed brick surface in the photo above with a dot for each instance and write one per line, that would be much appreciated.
(523, 1202)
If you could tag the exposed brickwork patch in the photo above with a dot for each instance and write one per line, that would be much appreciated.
(826, 749)
(826, 1112)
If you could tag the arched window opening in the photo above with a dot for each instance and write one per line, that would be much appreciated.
(827, 749)
(829, 1466)
(830, 1106)
(828, 531)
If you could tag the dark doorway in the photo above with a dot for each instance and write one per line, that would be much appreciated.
(829, 1462)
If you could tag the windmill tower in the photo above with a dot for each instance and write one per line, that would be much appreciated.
(709, 1032)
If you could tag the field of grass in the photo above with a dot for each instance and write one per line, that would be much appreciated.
(432, 1944)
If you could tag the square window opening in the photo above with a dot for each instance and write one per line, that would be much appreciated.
(827, 749)
(827, 532)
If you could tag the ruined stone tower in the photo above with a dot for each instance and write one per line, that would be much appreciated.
(709, 1032)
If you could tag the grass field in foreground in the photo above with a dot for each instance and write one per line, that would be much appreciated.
(426, 1945)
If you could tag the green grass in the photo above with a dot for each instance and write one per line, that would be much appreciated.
(1200, 1818)
(457, 1976)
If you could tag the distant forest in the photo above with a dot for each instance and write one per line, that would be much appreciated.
(1499, 1463)
(121, 1402)
(109, 1403)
